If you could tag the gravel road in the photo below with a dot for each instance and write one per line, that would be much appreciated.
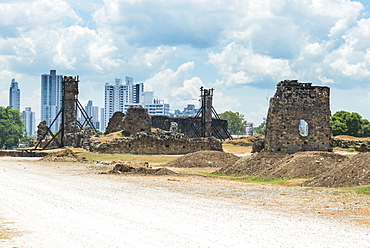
(71, 206)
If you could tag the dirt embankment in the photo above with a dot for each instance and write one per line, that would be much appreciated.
(327, 169)
(204, 159)
(354, 171)
(65, 155)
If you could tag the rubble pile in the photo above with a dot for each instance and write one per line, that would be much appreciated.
(66, 155)
(139, 168)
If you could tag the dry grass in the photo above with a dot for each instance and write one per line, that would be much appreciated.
(151, 159)
(108, 137)
(346, 137)
(234, 149)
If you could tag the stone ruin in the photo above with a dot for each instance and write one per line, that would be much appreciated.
(136, 124)
(136, 120)
(69, 134)
(154, 143)
(295, 103)
(165, 122)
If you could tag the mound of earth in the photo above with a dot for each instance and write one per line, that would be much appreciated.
(204, 159)
(355, 171)
(307, 164)
(139, 168)
(257, 164)
(281, 165)
(66, 155)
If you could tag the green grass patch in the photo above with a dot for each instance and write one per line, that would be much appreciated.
(151, 159)
(249, 178)
(361, 190)
(358, 190)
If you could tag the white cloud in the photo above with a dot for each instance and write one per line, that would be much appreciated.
(176, 87)
(239, 65)
(70, 48)
(36, 13)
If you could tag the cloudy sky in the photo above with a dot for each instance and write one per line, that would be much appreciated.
(240, 48)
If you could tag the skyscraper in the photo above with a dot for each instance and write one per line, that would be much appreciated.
(28, 118)
(93, 113)
(14, 96)
(51, 96)
(120, 96)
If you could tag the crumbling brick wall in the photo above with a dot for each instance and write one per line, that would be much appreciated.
(291, 103)
(154, 143)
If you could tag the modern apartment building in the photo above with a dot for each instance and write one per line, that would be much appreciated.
(120, 96)
(29, 121)
(14, 96)
(93, 113)
(51, 96)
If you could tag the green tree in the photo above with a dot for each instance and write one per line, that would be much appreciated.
(11, 127)
(235, 122)
(261, 128)
(346, 123)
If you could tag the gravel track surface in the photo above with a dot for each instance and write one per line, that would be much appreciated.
(60, 205)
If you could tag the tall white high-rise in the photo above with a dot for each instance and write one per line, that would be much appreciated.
(120, 96)
(28, 118)
(102, 114)
(51, 96)
(93, 113)
(15, 96)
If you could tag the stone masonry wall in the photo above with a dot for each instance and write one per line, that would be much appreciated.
(291, 103)
(135, 120)
(154, 143)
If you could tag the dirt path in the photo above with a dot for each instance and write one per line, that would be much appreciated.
(59, 205)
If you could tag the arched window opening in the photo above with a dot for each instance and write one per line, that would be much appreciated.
(303, 128)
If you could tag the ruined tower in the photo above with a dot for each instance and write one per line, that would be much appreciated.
(70, 95)
(298, 118)
(207, 95)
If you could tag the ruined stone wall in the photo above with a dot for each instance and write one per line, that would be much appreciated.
(21, 153)
(135, 120)
(115, 123)
(164, 122)
(291, 103)
(154, 143)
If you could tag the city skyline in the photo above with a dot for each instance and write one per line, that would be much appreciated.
(242, 49)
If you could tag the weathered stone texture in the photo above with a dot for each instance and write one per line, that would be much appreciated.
(360, 145)
(70, 92)
(154, 143)
(115, 123)
(135, 120)
(291, 103)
